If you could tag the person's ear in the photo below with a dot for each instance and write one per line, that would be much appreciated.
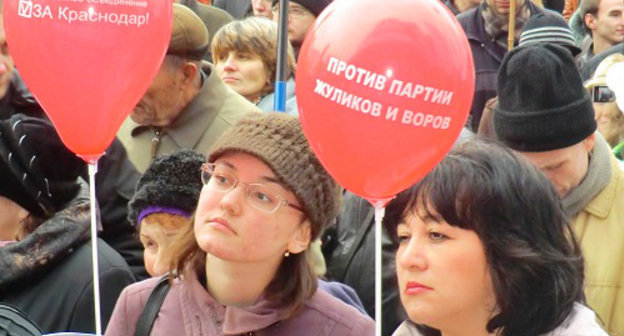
(589, 142)
(189, 71)
(590, 21)
(301, 238)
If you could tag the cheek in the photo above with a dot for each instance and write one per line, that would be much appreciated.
(148, 260)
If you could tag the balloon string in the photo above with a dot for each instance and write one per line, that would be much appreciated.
(379, 215)
(94, 248)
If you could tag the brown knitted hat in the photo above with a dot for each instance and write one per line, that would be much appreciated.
(278, 140)
(189, 36)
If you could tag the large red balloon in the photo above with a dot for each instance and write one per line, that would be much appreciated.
(88, 62)
(384, 89)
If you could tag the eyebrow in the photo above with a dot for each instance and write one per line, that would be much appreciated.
(269, 179)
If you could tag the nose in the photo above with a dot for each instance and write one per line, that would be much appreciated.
(412, 255)
(229, 64)
(232, 200)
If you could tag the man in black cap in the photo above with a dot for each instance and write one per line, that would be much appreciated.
(487, 27)
(545, 114)
(301, 16)
(187, 105)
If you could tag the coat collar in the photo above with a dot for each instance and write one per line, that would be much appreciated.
(260, 315)
(600, 205)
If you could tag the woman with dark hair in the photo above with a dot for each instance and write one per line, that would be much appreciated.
(485, 249)
(242, 268)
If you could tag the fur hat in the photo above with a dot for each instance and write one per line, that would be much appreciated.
(37, 171)
(171, 184)
(189, 36)
(542, 104)
(277, 139)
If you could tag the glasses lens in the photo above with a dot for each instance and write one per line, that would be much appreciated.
(262, 197)
(602, 94)
(217, 177)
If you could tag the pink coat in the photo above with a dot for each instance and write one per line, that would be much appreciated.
(188, 310)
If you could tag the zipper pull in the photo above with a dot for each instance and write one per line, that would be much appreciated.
(155, 142)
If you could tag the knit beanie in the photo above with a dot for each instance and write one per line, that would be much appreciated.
(314, 6)
(277, 139)
(37, 171)
(548, 27)
(542, 104)
(171, 184)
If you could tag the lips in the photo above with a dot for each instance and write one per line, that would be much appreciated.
(414, 288)
(229, 79)
(221, 224)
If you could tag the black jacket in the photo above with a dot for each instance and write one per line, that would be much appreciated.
(350, 256)
(52, 283)
(487, 56)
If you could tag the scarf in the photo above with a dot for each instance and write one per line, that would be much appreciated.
(598, 176)
(497, 27)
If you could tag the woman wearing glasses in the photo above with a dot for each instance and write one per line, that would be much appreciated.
(242, 267)
(485, 249)
(609, 117)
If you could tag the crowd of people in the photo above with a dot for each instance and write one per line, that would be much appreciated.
(216, 218)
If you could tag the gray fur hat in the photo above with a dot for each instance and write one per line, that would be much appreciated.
(171, 184)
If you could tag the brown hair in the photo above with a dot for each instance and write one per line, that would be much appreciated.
(253, 35)
(293, 283)
(588, 7)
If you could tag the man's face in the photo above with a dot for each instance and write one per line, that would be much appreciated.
(6, 63)
(299, 21)
(163, 101)
(262, 8)
(608, 23)
(565, 167)
(502, 7)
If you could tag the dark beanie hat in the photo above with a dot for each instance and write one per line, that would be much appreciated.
(314, 6)
(37, 171)
(542, 104)
(277, 139)
(548, 27)
(171, 184)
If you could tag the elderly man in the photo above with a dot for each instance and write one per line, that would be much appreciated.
(187, 105)
(545, 114)
(487, 27)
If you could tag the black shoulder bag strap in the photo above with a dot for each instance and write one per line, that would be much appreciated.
(152, 307)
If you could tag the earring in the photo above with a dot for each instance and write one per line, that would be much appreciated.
(287, 254)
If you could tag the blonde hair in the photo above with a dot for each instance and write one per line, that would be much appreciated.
(253, 35)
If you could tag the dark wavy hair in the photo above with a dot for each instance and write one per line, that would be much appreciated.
(535, 262)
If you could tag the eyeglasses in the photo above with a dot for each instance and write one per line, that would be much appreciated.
(292, 11)
(262, 197)
(602, 94)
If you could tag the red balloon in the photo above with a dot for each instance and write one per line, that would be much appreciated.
(88, 62)
(384, 90)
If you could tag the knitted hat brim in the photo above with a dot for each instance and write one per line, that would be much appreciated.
(512, 128)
